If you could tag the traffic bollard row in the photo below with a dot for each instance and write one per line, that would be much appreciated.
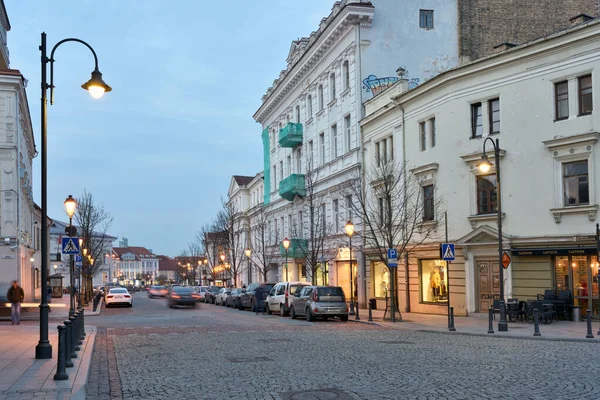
(69, 336)
(589, 325)
(536, 322)
(61, 370)
(74, 341)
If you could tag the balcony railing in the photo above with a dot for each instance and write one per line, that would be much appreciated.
(290, 135)
(298, 248)
(292, 186)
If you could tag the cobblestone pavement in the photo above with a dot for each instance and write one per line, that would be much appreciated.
(218, 353)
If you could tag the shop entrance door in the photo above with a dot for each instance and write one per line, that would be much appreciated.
(488, 283)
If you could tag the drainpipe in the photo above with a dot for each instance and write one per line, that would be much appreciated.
(406, 267)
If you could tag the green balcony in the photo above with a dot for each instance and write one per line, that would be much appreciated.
(290, 135)
(292, 186)
(298, 248)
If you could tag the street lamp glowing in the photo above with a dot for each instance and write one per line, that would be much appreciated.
(91, 261)
(70, 206)
(485, 164)
(84, 252)
(205, 261)
(222, 256)
(96, 86)
(349, 228)
(286, 243)
(248, 252)
(80, 242)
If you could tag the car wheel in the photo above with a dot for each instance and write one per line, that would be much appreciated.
(344, 318)
(293, 313)
(309, 315)
(268, 309)
(282, 312)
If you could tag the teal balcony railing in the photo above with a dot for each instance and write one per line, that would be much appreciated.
(292, 186)
(298, 248)
(290, 135)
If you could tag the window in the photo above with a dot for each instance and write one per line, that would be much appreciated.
(336, 215)
(434, 281)
(377, 154)
(322, 147)
(332, 87)
(334, 141)
(323, 218)
(486, 194)
(322, 278)
(302, 276)
(432, 133)
(561, 100)
(297, 114)
(290, 226)
(348, 132)
(298, 161)
(311, 149)
(309, 106)
(280, 169)
(276, 232)
(381, 203)
(282, 228)
(272, 137)
(476, 121)
(426, 19)
(289, 165)
(349, 206)
(576, 183)
(585, 95)
(428, 203)
(275, 177)
(381, 280)
(320, 98)
(494, 114)
(423, 136)
(300, 232)
(346, 74)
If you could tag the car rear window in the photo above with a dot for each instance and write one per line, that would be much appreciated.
(182, 290)
(330, 291)
(296, 288)
(118, 291)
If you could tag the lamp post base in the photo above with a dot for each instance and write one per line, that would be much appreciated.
(43, 350)
(502, 324)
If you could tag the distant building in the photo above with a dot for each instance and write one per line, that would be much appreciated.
(137, 265)
(167, 268)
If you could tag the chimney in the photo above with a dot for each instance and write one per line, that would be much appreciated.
(580, 19)
(503, 47)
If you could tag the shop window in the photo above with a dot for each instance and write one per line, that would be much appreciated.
(322, 273)
(302, 272)
(381, 280)
(434, 281)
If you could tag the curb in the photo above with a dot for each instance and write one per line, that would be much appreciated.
(373, 323)
(78, 392)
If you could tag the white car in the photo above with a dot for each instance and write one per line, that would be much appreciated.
(201, 292)
(221, 296)
(281, 296)
(116, 296)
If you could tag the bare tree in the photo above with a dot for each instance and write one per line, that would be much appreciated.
(231, 221)
(394, 214)
(264, 251)
(93, 223)
(213, 244)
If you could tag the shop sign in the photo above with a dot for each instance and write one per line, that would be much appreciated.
(580, 251)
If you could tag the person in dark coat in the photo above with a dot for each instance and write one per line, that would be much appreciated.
(258, 299)
(15, 296)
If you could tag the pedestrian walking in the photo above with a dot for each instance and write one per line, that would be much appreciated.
(15, 296)
(258, 299)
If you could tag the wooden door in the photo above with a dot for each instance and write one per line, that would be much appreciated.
(489, 283)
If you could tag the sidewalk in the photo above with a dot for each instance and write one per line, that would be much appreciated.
(59, 311)
(478, 325)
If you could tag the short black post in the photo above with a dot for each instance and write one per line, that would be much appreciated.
(536, 323)
(357, 316)
(61, 371)
(589, 324)
(451, 328)
(74, 344)
(82, 324)
(370, 313)
(69, 353)
(79, 326)
(490, 318)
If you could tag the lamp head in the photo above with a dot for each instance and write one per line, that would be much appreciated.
(248, 252)
(96, 86)
(84, 252)
(222, 256)
(286, 243)
(485, 164)
(70, 206)
(349, 228)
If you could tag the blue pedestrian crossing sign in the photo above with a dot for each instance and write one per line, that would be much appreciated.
(447, 251)
(78, 261)
(70, 245)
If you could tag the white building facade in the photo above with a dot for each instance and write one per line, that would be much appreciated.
(134, 265)
(537, 100)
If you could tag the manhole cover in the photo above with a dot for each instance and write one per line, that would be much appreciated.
(248, 360)
(395, 342)
(274, 340)
(317, 394)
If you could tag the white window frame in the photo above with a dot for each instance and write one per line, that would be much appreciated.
(348, 131)
(334, 142)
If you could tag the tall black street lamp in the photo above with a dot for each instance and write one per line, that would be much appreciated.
(484, 166)
(70, 207)
(286, 246)
(350, 232)
(96, 87)
(248, 253)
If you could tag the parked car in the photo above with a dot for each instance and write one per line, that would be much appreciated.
(222, 296)
(233, 300)
(211, 294)
(118, 296)
(320, 302)
(157, 291)
(181, 296)
(247, 299)
(280, 297)
(200, 291)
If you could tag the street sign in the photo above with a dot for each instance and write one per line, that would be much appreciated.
(447, 251)
(392, 253)
(505, 260)
(70, 245)
(78, 261)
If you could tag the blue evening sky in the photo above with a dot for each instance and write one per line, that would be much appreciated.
(157, 152)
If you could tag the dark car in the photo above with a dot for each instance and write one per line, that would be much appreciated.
(233, 300)
(211, 294)
(181, 296)
(247, 299)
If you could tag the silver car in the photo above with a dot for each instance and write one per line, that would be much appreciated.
(320, 302)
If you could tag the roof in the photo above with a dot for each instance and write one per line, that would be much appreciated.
(58, 228)
(5, 15)
(167, 264)
(243, 180)
(138, 251)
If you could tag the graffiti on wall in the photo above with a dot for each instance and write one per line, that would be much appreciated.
(377, 85)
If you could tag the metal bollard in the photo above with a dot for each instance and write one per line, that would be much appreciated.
(589, 324)
(451, 327)
(69, 353)
(357, 316)
(536, 323)
(82, 324)
(74, 343)
(490, 318)
(370, 313)
(78, 327)
(61, 371)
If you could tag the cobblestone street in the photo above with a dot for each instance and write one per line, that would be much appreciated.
(219, 353)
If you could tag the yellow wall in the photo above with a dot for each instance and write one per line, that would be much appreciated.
(531, 276)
